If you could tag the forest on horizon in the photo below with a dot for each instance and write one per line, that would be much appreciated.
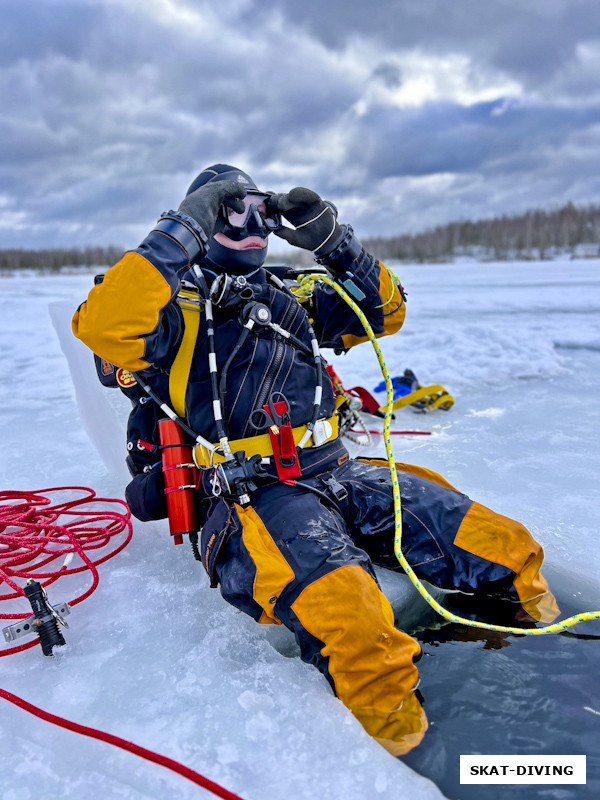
(534, 235)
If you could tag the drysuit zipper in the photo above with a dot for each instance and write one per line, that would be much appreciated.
(271, 373)
(276, 363)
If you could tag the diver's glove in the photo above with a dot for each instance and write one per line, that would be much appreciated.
(194, 223)
(315, 222)
(203, 205)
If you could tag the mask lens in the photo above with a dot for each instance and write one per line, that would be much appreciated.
(238, 220)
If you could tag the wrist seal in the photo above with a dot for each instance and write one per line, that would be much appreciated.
(344, 255)
(185, 231)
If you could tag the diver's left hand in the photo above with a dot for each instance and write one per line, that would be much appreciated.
(315, 222)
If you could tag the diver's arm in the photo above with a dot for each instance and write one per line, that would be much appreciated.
(317, 229)
(336, 324)
(122, 319)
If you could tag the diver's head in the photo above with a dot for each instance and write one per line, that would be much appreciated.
(239, 242)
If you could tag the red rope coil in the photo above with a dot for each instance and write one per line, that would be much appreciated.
(36, 534)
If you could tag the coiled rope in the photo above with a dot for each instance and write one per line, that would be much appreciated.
(39, 540)
(306, 287)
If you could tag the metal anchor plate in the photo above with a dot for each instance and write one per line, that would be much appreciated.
(25, 627)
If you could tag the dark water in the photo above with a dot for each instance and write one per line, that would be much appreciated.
(489, 693)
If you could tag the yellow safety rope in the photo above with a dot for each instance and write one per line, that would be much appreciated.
(307, 283)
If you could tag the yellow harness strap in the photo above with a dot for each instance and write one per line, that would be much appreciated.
(434, 396)
(259, 445)
(180, 371)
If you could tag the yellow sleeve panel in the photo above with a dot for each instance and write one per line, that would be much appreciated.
(122, 310)
(392, 306)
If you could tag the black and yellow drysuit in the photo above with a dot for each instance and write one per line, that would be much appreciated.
(290, 557)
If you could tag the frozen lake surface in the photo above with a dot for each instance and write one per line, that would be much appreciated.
(157, 657)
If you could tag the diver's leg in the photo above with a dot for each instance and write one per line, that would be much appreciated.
(288, 559)
(448, 539)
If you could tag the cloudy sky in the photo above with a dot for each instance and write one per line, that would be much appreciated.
(405, 113)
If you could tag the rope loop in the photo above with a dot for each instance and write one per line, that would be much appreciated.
(557, 627)
(48, 534)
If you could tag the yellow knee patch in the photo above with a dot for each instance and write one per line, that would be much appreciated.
(534, 593)
(370, 661)
(505, 541)
(273, 573)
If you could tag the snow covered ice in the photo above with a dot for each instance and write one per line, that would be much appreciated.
(157, 657)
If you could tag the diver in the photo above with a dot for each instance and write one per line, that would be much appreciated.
(291, 526)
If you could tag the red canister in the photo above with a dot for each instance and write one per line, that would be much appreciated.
(180, 476)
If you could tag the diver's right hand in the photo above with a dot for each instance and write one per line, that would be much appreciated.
(203, 205)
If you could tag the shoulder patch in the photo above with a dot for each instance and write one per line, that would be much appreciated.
(106, 372)
(106, 367)
(125, 378)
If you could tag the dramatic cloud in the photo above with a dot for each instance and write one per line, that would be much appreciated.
(406, 114)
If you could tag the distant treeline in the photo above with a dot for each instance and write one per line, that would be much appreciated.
(533, 235)
(536, 235)
(59, 258)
